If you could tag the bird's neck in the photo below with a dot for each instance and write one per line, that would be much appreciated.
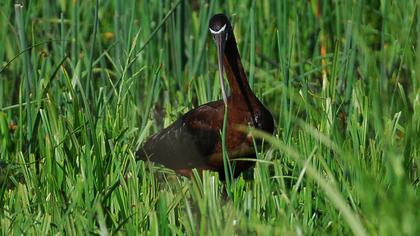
(238, 81)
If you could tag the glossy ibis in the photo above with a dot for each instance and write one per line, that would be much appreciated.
(194, 140)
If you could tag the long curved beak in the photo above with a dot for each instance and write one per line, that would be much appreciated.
(220, 44)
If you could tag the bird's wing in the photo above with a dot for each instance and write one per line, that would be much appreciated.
(188, 142)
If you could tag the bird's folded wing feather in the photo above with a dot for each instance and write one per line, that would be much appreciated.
(188, 142)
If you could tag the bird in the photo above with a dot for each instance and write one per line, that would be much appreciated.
(194, 140)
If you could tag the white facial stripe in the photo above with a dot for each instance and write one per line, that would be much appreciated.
(218, 32)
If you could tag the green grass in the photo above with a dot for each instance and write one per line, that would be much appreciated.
(83, 83)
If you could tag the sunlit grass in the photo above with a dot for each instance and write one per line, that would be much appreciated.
(341, 79)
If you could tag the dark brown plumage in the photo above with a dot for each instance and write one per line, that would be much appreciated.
(194, 140)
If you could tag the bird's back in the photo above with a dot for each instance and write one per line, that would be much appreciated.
(186, 143)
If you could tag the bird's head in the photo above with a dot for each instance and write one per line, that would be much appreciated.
(221, 30)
